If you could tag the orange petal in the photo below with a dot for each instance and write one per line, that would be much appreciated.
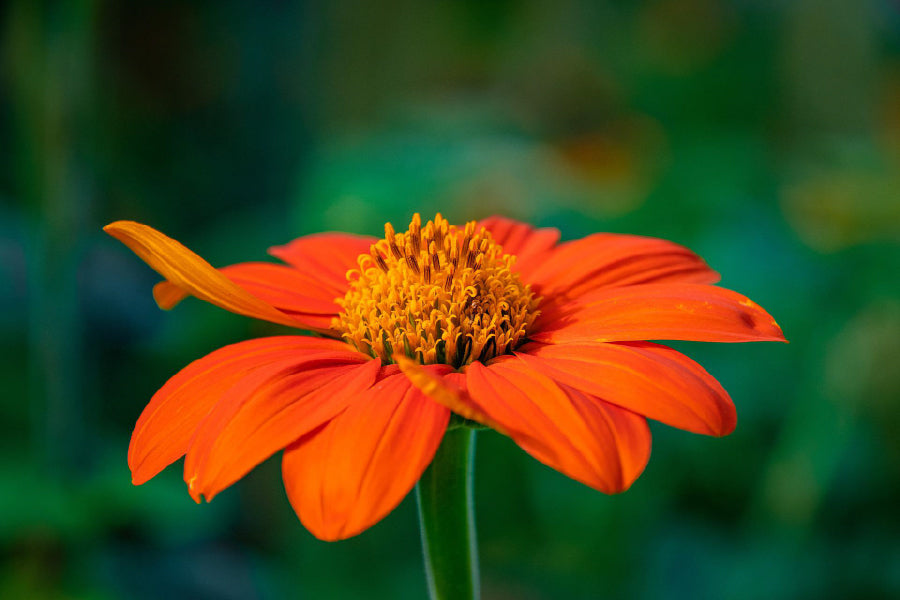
(591, 441)
(448, 389)
(284, 287)
(648, 379)
(327, 255)
(168, 295)
(291, 291)
(669, 311)
(346, 476)
(527, 243)
(607, 259)
(164, 430)
(192, 274)
(265, 412)
(444, 387)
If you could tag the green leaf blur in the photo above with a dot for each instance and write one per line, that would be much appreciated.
(763, 135)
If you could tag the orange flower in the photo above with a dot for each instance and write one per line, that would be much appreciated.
(494, 321)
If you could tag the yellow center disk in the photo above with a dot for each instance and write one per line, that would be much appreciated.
(438, 294)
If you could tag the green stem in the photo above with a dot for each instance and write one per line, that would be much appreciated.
(447, 519)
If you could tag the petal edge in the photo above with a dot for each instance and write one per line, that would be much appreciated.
(191, 273)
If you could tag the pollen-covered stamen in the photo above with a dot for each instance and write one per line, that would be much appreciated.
(439, 294)
(379, 260)
(391, 238)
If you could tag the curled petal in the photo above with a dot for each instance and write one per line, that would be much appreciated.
(671, 311)
(192, 274)
(327, 255)
(445, 388)
(165, 428)
(293, 292)
(347, 475)
(266, 412)
(591, 441)
(648, 379)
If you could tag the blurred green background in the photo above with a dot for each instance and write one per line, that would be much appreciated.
(765, 135)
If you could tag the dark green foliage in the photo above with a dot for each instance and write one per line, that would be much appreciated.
(764, 135)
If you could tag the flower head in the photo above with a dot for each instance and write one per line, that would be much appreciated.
(494, 321)
(438, 294)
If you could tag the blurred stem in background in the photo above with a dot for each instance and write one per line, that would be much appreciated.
(49, 53)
